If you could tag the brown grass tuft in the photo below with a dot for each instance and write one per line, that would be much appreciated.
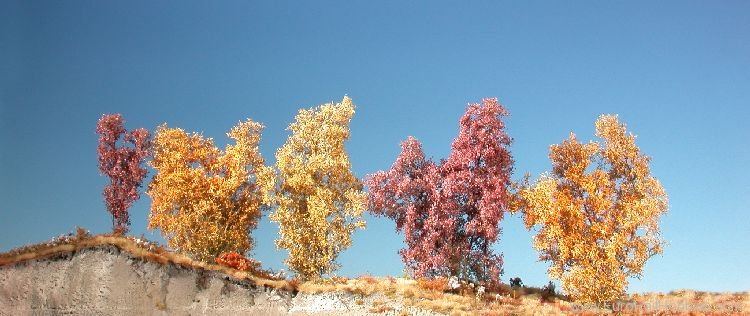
(160, 306)
(380, 307)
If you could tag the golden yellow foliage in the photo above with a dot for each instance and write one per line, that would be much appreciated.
(205, 201)
(319, 201)
(597, 212)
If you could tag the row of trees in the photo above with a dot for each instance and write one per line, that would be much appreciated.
(207, 201)
(596, 213)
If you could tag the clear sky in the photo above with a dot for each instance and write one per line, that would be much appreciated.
(678, 73)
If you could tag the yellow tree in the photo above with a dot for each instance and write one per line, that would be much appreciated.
(597, 213)
(319, 202)
(205, 201)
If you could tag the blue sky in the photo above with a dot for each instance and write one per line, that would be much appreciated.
(678, 73)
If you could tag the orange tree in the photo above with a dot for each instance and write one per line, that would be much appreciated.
(597, 213)
(319, 202)
(206, 201)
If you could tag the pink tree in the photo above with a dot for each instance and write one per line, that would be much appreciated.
(409, 194)
(449, 213)
(476, 178)
(123, 166)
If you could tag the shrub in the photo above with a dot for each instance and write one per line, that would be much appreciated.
(237, 261)
(548, 292)
(516, 282)
(439, 284)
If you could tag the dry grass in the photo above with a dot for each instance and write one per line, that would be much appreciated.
(433, 295)
(136, 248)
(380, 307)
(726, 303)
(363, 286)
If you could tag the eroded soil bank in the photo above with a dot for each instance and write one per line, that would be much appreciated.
(107, 281)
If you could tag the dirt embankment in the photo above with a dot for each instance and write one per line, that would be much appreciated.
(105, 280)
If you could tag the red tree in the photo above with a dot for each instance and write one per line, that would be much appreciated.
(122, 164)
(450, 212)
(476, 178)
(409, 194)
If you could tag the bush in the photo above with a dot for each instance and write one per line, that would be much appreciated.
(516, 282)
(237, 261)
(499, 288)
(548, 292)
(439, 284)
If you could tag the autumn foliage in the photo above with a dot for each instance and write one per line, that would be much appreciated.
(123, 165)
(597, 213)
(409, 194)
(207, 201)
(449, 212)
(475, 188)
(319, 202)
